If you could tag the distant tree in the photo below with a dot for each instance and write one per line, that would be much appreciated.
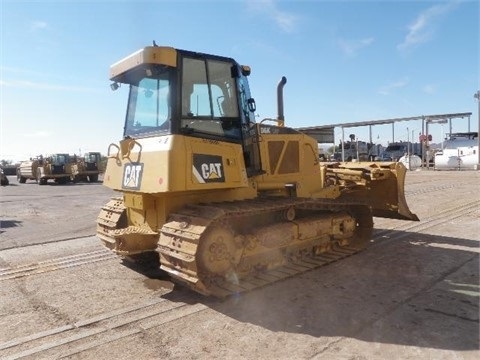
(6, 162)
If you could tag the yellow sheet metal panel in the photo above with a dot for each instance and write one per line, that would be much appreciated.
(214, 164)
(148, 55)
(174, 163)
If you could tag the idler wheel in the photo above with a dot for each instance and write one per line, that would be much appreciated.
(217, 252)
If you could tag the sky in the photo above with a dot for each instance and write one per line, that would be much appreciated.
(345, 61)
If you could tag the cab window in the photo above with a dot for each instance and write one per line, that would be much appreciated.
(209, 99)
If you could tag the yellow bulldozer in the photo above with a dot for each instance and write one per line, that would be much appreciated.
(228, 203)
(88, 167)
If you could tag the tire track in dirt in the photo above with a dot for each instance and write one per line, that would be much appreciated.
(86, 334)
(15, 272)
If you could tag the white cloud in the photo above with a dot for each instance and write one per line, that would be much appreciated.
(351, 47)
(387, 89)
(268, 8)
(423, 28)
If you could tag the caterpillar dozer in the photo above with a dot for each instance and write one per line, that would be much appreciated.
(88, 167)
(228, 203)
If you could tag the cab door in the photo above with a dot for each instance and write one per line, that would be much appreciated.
(250, 134)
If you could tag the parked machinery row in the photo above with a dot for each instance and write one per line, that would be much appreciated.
(61, 168)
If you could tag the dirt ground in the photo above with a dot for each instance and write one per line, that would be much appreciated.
(413, 294)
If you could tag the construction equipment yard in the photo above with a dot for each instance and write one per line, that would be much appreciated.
(412, 294)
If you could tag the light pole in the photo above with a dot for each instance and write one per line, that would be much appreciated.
(477, 96)
(408, 141)
(407, 155)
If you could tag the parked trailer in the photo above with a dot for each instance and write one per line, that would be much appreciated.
(459, 152)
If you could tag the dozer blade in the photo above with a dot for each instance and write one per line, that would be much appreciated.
(378, 184)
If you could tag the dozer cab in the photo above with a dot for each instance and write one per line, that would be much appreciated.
(229, 204)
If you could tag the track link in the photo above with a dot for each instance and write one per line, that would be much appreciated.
(234, 261)
(111, 217)
(223, 288)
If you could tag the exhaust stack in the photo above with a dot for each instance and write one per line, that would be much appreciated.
(280, 116)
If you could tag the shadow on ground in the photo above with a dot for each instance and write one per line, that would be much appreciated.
(415, 292)
(5, 224)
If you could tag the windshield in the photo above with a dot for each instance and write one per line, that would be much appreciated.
(209, 99)
(92, 157)
(396, 148)
(149, 107)
(60, 159)
(203, 104)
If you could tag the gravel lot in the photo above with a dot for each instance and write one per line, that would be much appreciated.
(413, 294)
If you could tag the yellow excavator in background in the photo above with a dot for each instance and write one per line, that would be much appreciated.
(230, 204)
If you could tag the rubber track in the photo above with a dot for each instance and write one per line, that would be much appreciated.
(209, 214)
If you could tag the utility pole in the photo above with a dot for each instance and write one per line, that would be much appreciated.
(477, 96)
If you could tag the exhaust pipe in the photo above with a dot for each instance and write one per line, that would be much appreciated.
(280, 116)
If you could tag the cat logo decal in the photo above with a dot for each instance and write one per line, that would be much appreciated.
(208, 168)
(132, 176)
